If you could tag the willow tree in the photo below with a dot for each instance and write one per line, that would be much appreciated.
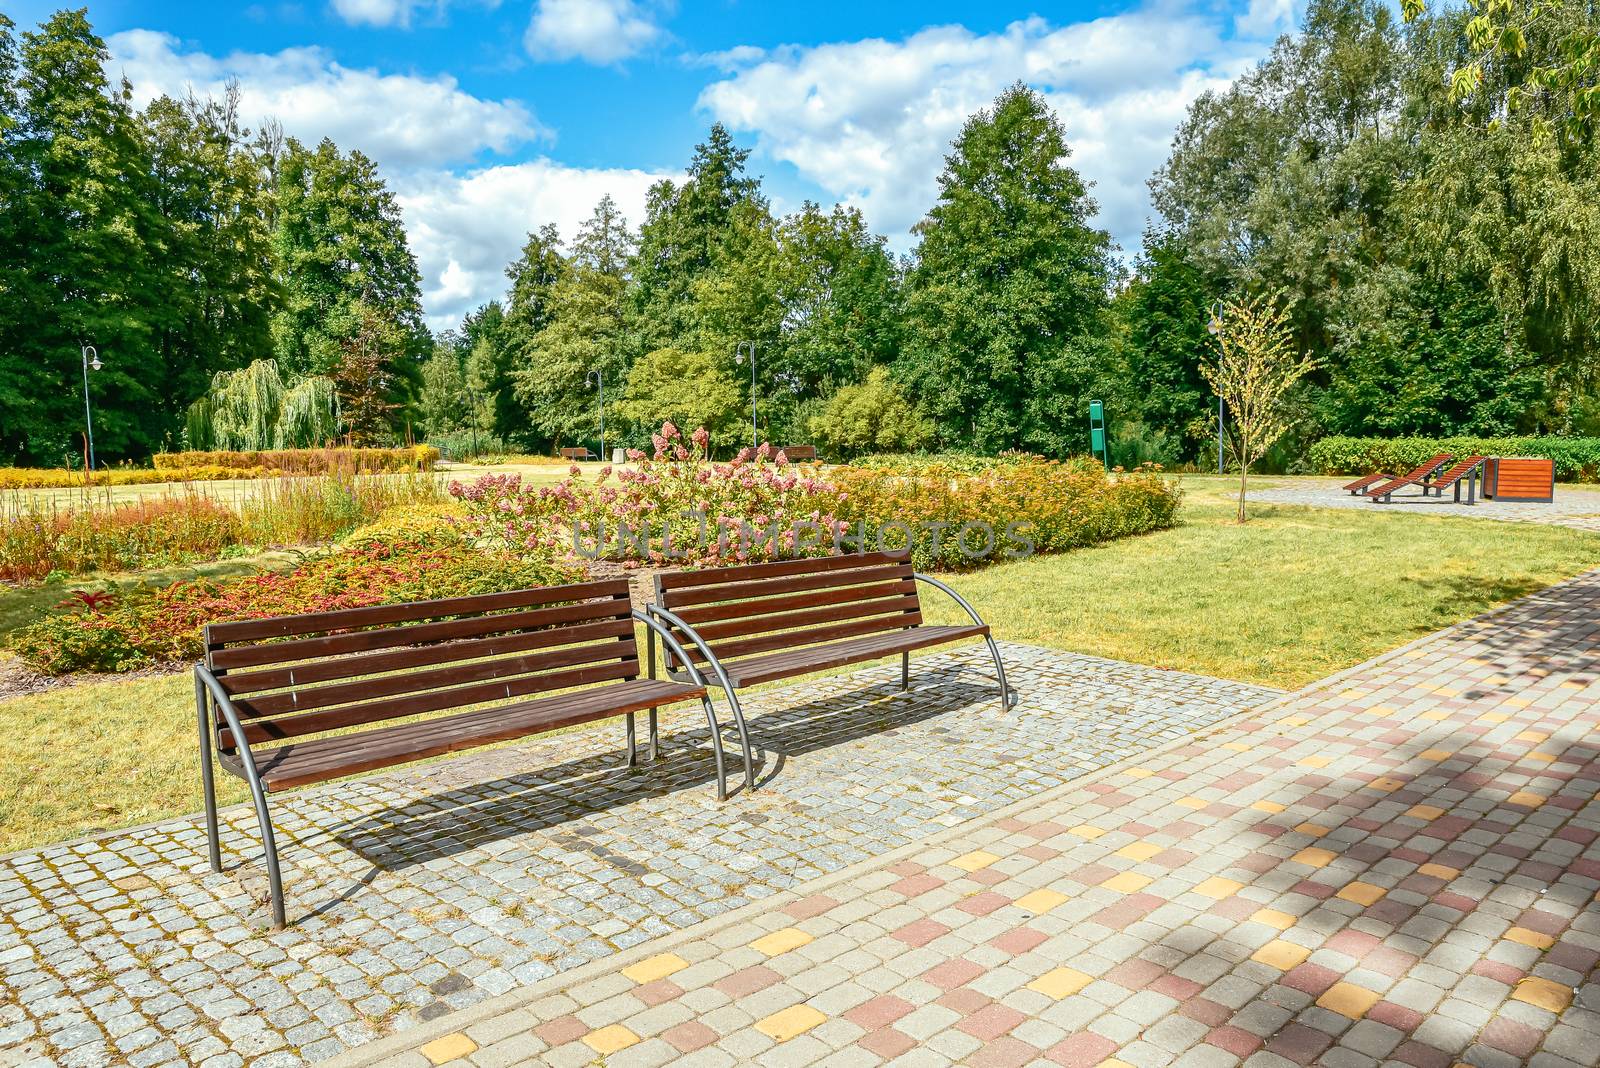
(253, 408)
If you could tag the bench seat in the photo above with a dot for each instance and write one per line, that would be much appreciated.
(335, 756)
(754, 670)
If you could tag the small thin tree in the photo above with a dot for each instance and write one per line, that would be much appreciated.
(1253, 369)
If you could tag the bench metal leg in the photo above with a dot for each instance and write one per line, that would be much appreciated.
(274, 878)
(905, 671)
(1008, 697)
(716, 749)
(633, 749)
(655, 735)
(208, 783)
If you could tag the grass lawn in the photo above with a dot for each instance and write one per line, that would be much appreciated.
(1292, 596)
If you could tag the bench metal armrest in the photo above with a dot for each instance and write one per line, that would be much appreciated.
(672, 644)
(224, 704)
(695, 640)
(960, 600)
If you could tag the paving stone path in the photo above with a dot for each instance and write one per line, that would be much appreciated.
(419, 893)
(1576, 507)
(1397, 865)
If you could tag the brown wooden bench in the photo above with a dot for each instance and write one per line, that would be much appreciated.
(1422, 473)
(762, 622)
(294, 700)
(1362, 484)
(799, 454)
(1468, 470)
(577, 454)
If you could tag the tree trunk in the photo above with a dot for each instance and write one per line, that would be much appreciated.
(1244, 471)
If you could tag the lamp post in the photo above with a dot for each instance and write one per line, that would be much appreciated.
(600, 381)
(91, 359)
(738, 357)
(1214, 328)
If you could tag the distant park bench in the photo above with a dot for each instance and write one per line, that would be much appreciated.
(298, 699)
(795, 454)
(578, 454)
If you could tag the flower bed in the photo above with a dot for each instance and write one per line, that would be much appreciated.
(674, 506)
(36, 541)
(410, 557)
(305, 461)
(955, 520)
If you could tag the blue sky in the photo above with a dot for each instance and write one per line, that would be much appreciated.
(490, 117)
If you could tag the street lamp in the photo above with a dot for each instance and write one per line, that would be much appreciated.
(1214, 328)
(91, 359)
(738, 357)
(599, 380)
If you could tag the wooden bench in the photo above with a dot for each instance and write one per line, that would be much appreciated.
(1362, 484)
(762, 622)
(577, 454)
(294, 700)
(1422, 473)
(799, 454)
(1467, 470)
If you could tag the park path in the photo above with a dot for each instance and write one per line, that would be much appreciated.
(1395, 865)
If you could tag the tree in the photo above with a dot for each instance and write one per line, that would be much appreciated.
(1008, 300)
(688, 388)
(1164, 309)
(445, 405)
(254, 409)
(585, 331)
(370, 391)
(501, 342)
(342, 252)
(1254, 368)
(870, 416)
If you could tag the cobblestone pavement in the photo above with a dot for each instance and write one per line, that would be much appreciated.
(422, 892)
(1574, 507)
(1397, 865)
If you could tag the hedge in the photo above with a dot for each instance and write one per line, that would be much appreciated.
(1576, 459)
(306, 461)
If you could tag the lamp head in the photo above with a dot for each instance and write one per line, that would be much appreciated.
(96, 364)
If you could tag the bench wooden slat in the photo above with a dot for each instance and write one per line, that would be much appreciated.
(414, 611)
(776, 569)
(785, 602)
(303, 763)
(716, 634)
(362, 713)
(782, 665)
(674, 600)
(356, 664)
(738, 647)
(307, 698)
(415, 634)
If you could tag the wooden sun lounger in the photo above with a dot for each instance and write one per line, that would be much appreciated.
(1419, 474)
(1365, 482)
(1468, 471)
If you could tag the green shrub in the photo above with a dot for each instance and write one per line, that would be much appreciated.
(1576, 459)
(305, 461)
(868, 416)
(966, 463)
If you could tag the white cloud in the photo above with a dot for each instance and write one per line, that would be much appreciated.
(598, 31)
(464, 229)
(401, 120)
(375, 12)
(870, 121)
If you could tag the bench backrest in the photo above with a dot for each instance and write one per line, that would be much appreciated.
(293, 676)
(799, 453)
(574, 454)
(759, 608)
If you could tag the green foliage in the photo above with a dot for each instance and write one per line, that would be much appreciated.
(252, 409)
(1576, 459)
(686, 388)
(869, 416)
(1008, 300)
(1165, 308)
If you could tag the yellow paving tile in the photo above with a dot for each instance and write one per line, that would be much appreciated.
(1532, 736)
(780, 941)
(1237, 747)
(1315, 830)
(1314, 857)
(1526, 798)
(1439, 871)
(1437, 754)
(1040, 902)
(653, 968)
(1347, 999)
(1061, 983)
(1493, 717)
(1436, 714)
(1138, 773)
(1087, 830)
(1425, 812)
(977, 860)
(1543, 758)
(1536, 939)
(611, 1039)
(1139, 850)
(1267, 806)
(1281, 955)
(1295, 721)
(1386, 784)
(787, 1023)
(1218, 887)
(1273, 918)
(449, 1048)
(1446, 691)
(1112, 1062)
(1361, 893)
(1517, 702)
(1545, 993)
(1314, 762)
(1193, 802)
(1127, 882)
